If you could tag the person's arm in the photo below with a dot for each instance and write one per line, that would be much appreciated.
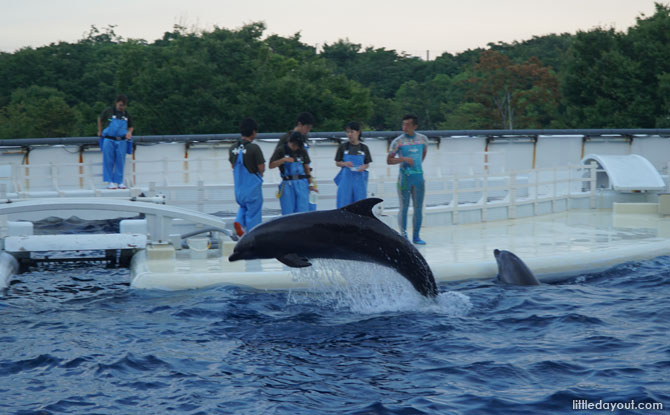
(367, 160)
(131, 128)
(278, 158)
(281, 161)
(103, 115)
(425, 149)
(392, 158)
(259, 159)
(310, 178)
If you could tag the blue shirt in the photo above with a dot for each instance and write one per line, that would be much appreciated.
(412, 147)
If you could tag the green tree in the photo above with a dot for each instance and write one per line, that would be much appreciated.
(37, 112)
(466, 116)
(550, 49)
(600, 82)
(647, 44)
(663, 117)
(521, 95)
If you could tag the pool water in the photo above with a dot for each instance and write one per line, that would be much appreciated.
(76, 339)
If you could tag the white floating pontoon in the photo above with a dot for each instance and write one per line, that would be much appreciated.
(553, 245)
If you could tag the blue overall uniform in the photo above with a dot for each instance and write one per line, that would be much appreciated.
(114, 149)
(411, 184)
(248, 193)
(352, 186)
(294, 188)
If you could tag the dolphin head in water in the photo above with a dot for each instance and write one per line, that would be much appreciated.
(512, 270)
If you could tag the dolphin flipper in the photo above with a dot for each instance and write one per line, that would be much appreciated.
(294, 260)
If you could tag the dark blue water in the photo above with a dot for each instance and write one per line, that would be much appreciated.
(78, 340)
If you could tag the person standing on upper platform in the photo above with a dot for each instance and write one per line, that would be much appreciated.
(248, 163)
(354, 159)
(115, 142)
(409, 150)
(293, 162)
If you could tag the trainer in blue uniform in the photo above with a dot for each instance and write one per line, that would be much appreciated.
(354, 159)
(293, 162)
(248, 164)
(303, 125)
(409, 150)
(115, 142)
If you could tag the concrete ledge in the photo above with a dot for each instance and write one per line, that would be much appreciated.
(635, 208)
(664, 203)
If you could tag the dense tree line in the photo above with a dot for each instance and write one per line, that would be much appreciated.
(206, 82)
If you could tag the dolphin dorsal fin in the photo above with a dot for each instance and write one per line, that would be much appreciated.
(363, 207)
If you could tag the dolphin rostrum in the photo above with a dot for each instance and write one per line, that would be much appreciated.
(512, 270)
(351, 232)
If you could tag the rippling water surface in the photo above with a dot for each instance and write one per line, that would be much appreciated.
(78, 340)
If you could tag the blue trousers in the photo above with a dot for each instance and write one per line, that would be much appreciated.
(249, 213)
(113, 160)
(295, 196)
(411, 186)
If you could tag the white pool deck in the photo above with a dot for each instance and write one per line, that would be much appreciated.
(554, 246)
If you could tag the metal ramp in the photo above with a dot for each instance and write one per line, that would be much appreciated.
(18, 241)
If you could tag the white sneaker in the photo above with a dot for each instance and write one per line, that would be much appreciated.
(122, 186)
(112, 186)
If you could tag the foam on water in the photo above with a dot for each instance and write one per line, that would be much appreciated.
(368, 288)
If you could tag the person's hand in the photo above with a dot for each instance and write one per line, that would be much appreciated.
(349, 164)
(409, 161)
(129, 136)
(289, 159)
(313, 188)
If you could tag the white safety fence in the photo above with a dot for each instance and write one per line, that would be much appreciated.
(206, 185)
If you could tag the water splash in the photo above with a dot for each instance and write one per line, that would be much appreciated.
(367, 288)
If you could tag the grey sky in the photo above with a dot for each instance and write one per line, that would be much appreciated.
(410, 26)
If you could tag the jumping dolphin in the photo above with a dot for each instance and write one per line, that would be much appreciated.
(351, 232)
(512, 270)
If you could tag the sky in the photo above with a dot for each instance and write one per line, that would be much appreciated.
(410, 26)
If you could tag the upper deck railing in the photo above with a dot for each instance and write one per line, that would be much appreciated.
(586, 132)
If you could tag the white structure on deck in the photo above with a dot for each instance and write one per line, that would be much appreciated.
(628, 173)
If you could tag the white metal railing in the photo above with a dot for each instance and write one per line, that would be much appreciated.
(483, 191)
(206, 185)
